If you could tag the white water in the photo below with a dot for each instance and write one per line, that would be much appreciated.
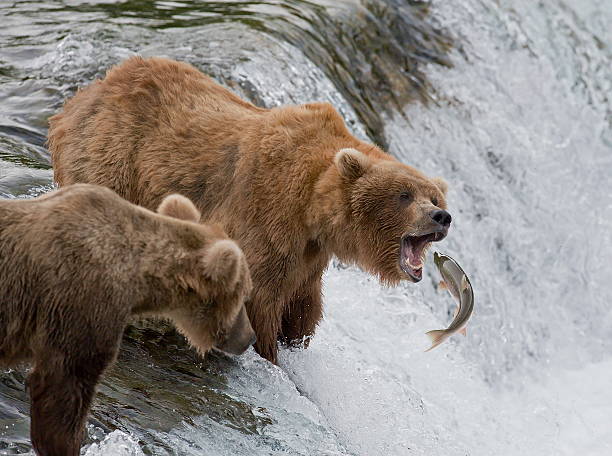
(521, 132)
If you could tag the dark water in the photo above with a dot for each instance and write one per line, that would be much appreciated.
(371, 51)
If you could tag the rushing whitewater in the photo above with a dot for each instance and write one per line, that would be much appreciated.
(513, 110)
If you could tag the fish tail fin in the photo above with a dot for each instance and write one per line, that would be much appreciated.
(437, 336)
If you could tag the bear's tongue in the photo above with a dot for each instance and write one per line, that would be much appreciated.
(413, 253)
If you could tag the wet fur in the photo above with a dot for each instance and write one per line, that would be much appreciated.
(290, 184)
(75, 266)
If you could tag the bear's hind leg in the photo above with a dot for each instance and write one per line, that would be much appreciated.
(61, 396)
(302, 314)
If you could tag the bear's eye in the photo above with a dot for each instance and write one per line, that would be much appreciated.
(405, 197)
(434, 201)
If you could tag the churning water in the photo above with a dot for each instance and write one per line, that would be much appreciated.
(510, 103)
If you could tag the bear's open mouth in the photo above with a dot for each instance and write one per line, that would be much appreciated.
(412, 252)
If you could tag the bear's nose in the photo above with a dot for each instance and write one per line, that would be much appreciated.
(442, 217)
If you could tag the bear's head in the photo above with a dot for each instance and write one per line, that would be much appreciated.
(218, 281)
(388, 214)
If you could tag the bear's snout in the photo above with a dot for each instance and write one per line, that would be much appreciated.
(240, 337)
(441, 217)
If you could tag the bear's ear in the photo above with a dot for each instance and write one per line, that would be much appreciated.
(179, 207)
(351, 163)
(441, 184)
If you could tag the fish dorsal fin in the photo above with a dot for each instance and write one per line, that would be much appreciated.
(464, 283)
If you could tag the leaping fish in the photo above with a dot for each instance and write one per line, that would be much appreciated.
(457, 283)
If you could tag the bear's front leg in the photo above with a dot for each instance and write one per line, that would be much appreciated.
(265, 312)
(302, 314)
(267, 348)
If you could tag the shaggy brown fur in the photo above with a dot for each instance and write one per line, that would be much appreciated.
(290, 184)
(77, 264)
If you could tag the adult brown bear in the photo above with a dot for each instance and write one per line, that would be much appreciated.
(77, 264)
(290, 184)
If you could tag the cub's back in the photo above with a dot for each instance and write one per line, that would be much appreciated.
(80, 257)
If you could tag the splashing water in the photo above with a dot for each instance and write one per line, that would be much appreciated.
(510, 104)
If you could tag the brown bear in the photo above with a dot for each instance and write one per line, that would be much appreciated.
(77, 264)
(290, 184)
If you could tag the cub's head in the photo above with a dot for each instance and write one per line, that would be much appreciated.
(215, 282)
(393, 213)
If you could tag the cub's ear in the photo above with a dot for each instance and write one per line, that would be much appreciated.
(223, 263)
(179, 207)
(441, 184)
(351, 163)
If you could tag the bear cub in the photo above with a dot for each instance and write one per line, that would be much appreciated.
(77, 264)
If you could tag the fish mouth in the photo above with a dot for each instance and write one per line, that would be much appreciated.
(413, 249)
